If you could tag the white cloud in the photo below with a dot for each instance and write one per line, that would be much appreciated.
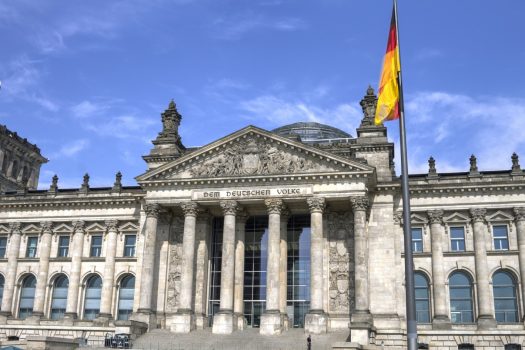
(236, 27)
(86, 109)
(123, 126)
(71, 149)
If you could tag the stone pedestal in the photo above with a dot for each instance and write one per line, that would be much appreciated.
(241, 321)
(315, 322)
(360, 334)
(271, 323)
(441, 322)
(486, 322)
(145, 316)
(224, 323)
(183, 322)
(201, 321)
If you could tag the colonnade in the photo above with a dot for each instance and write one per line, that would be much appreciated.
(274, 319)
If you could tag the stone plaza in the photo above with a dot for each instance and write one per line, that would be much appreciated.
(298, 227)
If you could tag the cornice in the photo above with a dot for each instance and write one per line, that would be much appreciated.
(459, 188)
(69, 202)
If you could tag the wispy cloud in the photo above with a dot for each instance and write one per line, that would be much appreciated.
(123, 126)
(71, 149)
(428, 53)
(86, 109)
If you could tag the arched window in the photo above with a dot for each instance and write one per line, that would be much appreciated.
(2, 281)
(422, 298)
(505, 300)
(92, 301)
(59, 300)
(27, 297)
(460, 287)
(125, 297)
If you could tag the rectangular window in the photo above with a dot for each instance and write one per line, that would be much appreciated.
(63, 246)
(417, 240)
(96, 246)
(3, 246)
(32, 243)
(129, 245)
(457, 239)
(501, 237)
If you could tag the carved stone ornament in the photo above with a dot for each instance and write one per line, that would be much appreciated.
(175, 263)
(190, 208)
(398, 218)
(14, 227)
(519, 213)
(432, 166)
(368, 104)
(274, 205)
(229, 207)
(435, 216)
(152, 210)
(316, 204)
(46, 226)
(473, 164)
(111, 225)
(478, 214)
(78, 225)
(252, 156)
(359, 203)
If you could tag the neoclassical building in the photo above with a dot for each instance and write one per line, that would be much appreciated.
(299, 227)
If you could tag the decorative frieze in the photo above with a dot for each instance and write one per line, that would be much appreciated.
(359, 203)
(175, 263)
(274, 205)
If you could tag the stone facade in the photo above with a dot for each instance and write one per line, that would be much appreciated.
(157, 255)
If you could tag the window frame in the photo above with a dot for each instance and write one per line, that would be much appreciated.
(3, 247)
(30, 248)
(92, 247)
(54, 297)
(500, 239)
(427, 299)
(471, 298)
(61, 247)
(126, 246)
(514, 287)
(456, 240)
(414, 242)
(120, 311)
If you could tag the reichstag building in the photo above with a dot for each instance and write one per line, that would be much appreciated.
(298, 227)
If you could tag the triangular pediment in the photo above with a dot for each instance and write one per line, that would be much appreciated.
(31, 228)
(252, 152)
(500, 216)
(418, 219)
(4, 229)
(456, 217)
(63, 228)
(129, 226)
(95, 227)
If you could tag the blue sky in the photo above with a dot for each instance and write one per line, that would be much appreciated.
(87, 80)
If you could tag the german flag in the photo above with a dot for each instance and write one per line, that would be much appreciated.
(388, 99)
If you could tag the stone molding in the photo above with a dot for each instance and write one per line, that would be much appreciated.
(519, 213)
(274, 205)
(78, 226)
(111, 225)
(14, 227)
(436, 216)
(190, 208)
(46, 226)
(316, 204)
(359, 203)
(478, 214)
(152, 210)
(229, 207)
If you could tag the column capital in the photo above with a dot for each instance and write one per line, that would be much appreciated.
(78, 225)
(274, 205)
(14, 227)
(46, 226)
(229, 207)
(190, 208)
(478, 214)
(111, 225)
(152, 210)
(316, 204)
(519, 213)
(435, 216)
(359, 203)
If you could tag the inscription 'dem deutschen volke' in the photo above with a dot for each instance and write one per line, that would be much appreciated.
(252, 193)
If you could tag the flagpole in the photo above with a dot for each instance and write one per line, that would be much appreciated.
(407, 231)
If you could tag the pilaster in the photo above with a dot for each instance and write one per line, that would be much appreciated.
(109, 270)
(12, 264)
(43, 268)
(76, 265)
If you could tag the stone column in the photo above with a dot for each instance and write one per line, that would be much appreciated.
(238, 299)
(184, 318)
(271, 320)
(43, 269)
(519, 214)
(361, 318)
(201, 269)
(12, 264)
(441, 319)
(486, 313)
(109, 269)
(224, 321)
(76, 266)
(145, 311)
(316, 321)
(283, 267)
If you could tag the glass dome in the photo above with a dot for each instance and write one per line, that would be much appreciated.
(311, 131)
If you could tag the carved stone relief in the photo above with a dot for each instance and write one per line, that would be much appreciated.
(340, 236)
(175, 263)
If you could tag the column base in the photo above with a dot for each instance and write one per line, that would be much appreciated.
(201, 321)
(34, 319)
(286, 321)
(4, 315)
(316, 322)
(441, 322)
(224, 322)
(271, 323)
(145, 316)
(183, 321)
(70, 316)
(103, 319)
(241, 321)
(486, 322)
(360, 335)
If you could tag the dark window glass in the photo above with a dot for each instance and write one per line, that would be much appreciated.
(96, 246)
(417, 240)
(59, 301)
(129, 245)
(457, 239)
(461, 310)
(32, 243)
(126, 294)
(505, 297)
(3, 246)
(63, 246)
(92, 299)
(512, 347)
(215, 269)
(27, 297)
(501, 239)
(465, 347)
(422, 298)
(2, 282)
